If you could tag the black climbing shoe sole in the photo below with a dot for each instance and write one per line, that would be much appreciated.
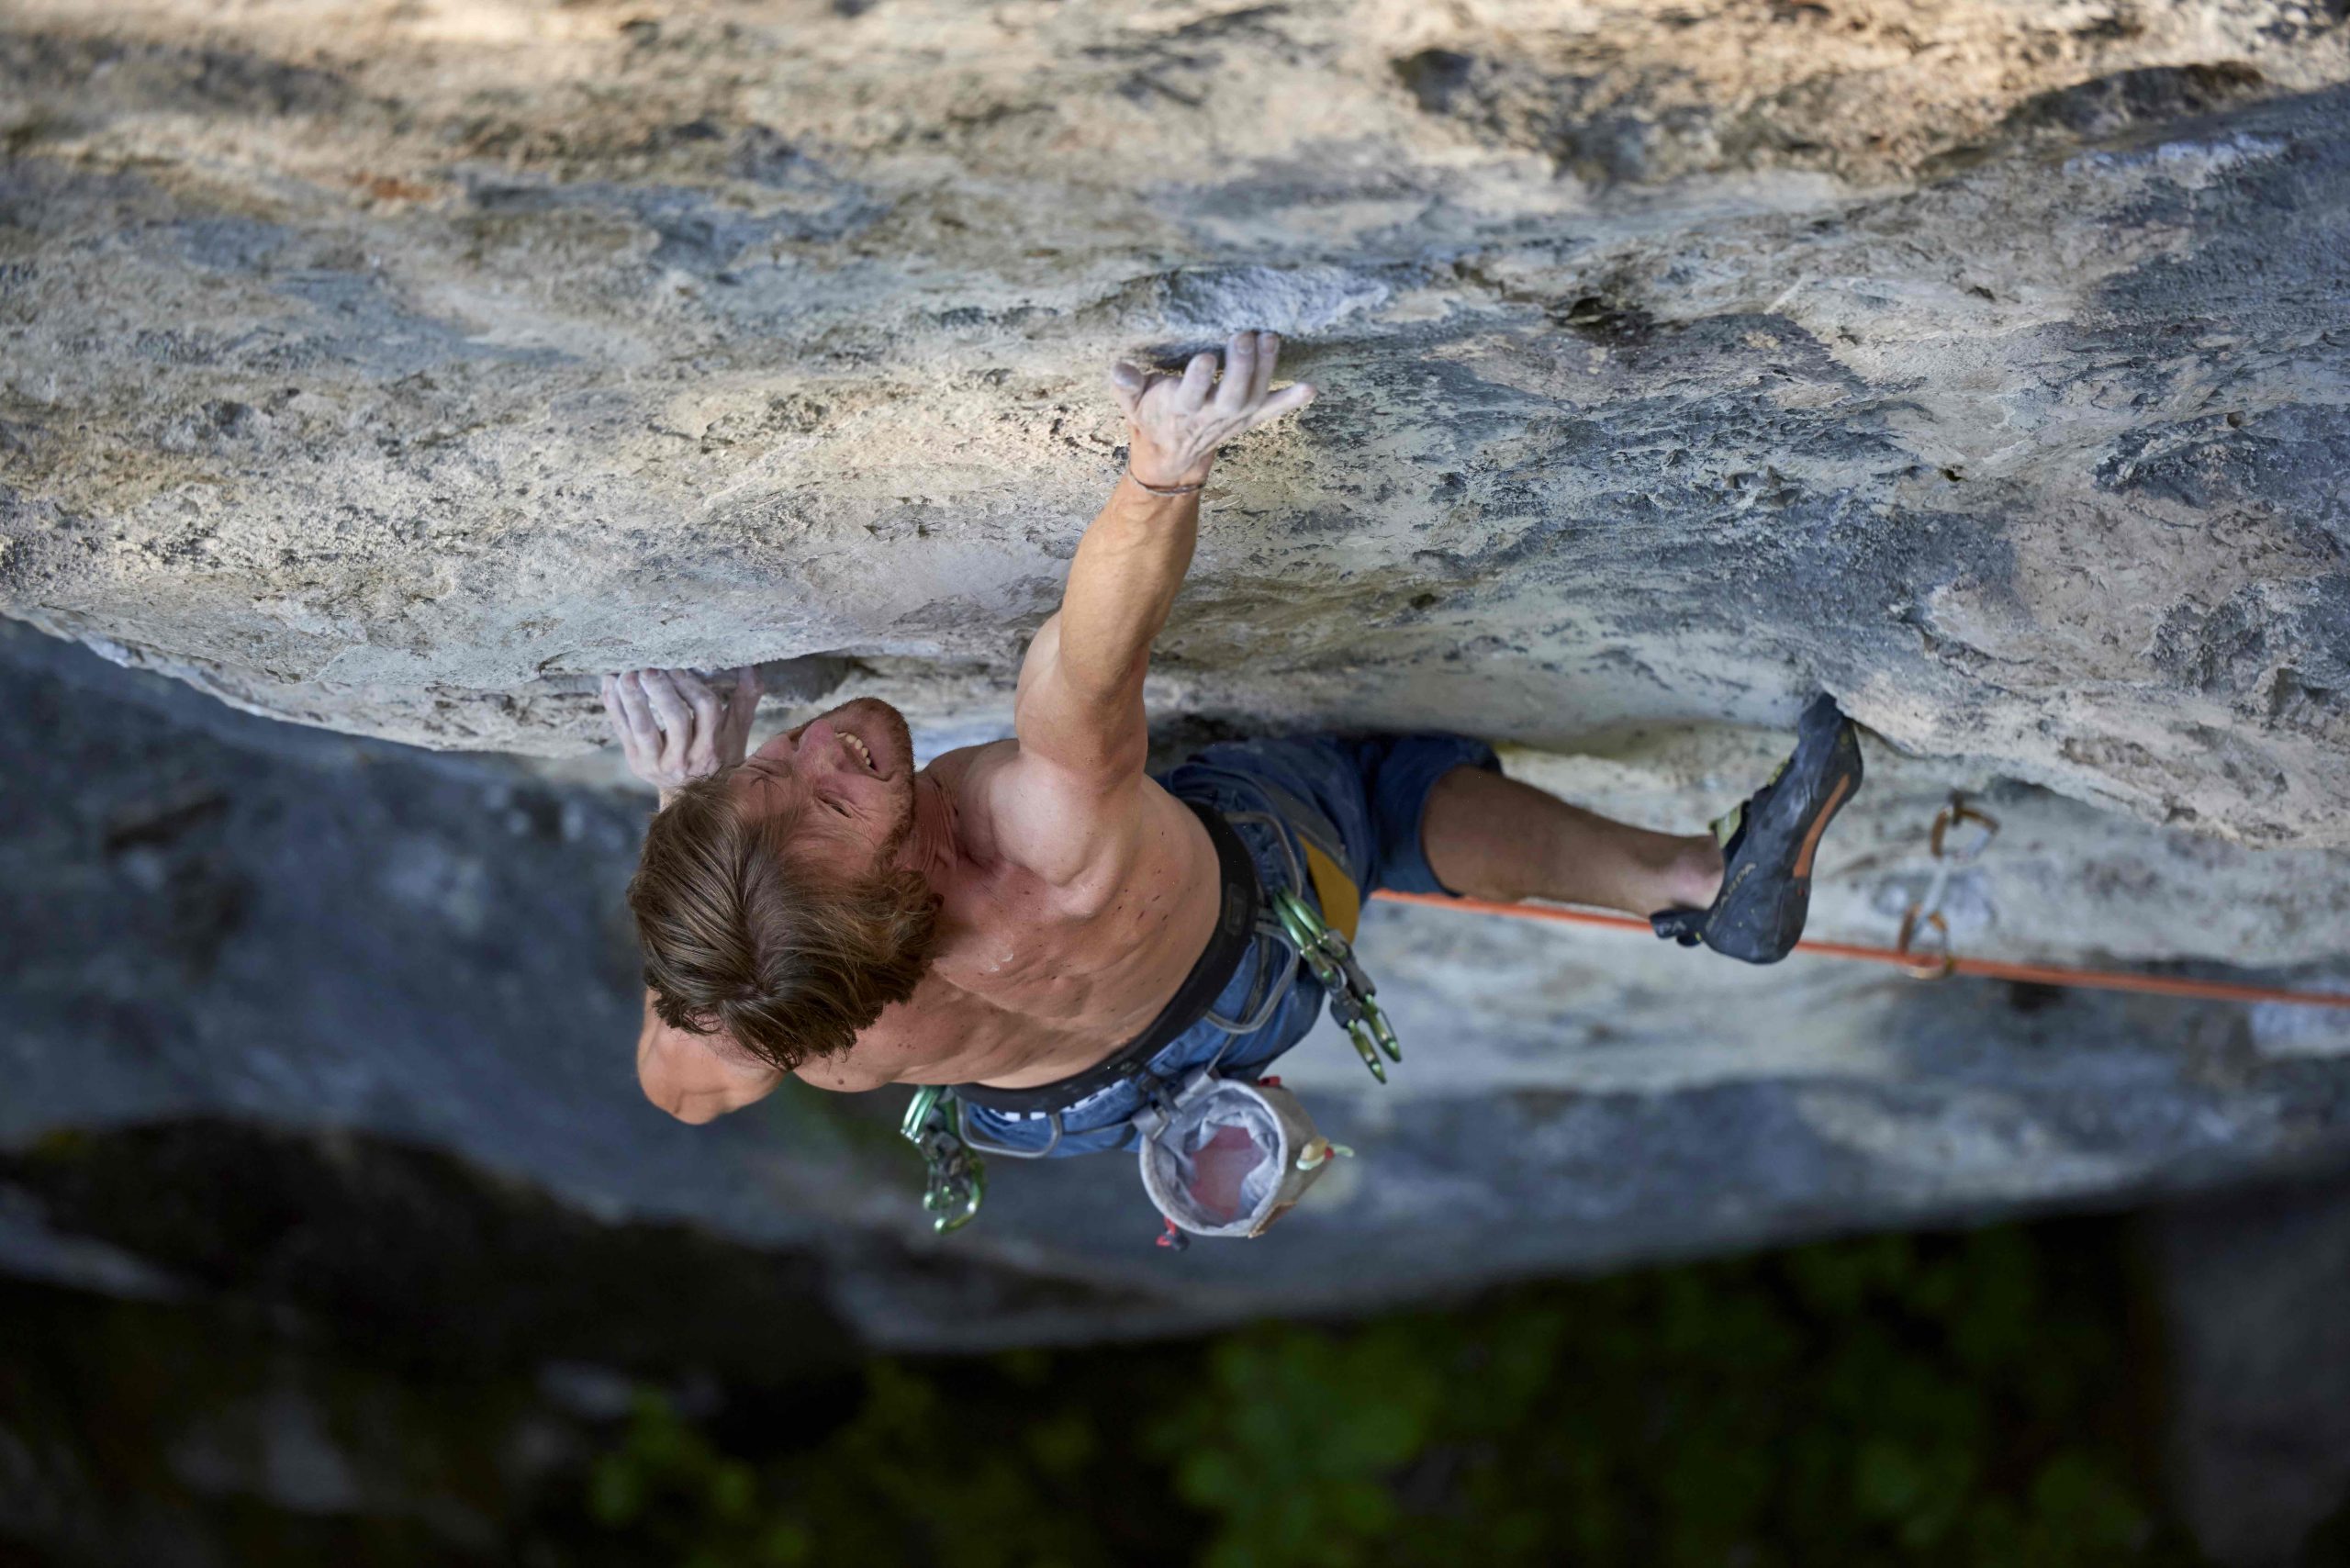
(1766, 880)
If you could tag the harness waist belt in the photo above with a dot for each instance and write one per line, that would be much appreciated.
(1235, 929)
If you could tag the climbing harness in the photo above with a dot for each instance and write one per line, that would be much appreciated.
(1220, 1156)
(1959, 837)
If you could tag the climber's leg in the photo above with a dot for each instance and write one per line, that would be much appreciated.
(1490, 837)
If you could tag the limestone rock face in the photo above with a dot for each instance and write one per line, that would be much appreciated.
(400, 368)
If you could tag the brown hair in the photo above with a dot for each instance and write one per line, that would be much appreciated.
(739, 939)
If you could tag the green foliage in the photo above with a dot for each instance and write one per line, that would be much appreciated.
(703, 1507)
(916, 1475)
(1953, 1401)
(1293, 1440)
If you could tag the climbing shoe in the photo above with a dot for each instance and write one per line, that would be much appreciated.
(1768, 843)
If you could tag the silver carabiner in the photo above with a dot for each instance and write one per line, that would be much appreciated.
(955, 1180)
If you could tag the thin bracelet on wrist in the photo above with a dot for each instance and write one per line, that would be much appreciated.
(1164, 489)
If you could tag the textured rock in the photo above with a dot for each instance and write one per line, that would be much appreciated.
(400, 369)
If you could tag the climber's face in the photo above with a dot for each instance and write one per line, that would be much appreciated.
(850, 774)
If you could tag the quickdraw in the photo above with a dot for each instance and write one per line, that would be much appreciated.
(1331, 960)
(1959, 837)
(956, 1182)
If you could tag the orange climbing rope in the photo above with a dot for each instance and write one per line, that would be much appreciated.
(1990, 969)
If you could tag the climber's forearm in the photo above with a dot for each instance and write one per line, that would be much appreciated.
(1079, 709)
(1128, 569)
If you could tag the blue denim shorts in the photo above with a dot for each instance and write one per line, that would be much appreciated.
(1373, 790)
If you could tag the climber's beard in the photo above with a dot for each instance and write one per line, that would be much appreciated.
(896, 743)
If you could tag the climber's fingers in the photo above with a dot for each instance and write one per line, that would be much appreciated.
(1269, 353)
(701, 742)
(690, 686)
(1239, 375)
(1288, 400)
(1128, 384)
(743, 705)
(619, 720)
(1198, 379)
(640, 737)
(677, 720)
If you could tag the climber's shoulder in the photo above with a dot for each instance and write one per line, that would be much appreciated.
(1067, 829)
(961, 769)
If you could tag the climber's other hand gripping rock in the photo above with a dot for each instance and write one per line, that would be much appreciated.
(1178, 423)
(673, 728)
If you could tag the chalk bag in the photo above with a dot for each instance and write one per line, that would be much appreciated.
(1228, 1157)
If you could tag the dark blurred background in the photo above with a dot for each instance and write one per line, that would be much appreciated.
(231, 1335)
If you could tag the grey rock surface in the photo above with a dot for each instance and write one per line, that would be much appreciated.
(295, 937)
(399, 368)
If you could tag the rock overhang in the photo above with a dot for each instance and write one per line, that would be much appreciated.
(1975, 364)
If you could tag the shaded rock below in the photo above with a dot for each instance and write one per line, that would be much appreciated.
(350, 961)
(2256, 1285)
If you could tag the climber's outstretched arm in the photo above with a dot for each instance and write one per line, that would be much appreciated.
(1080, 703)
(1079, 711)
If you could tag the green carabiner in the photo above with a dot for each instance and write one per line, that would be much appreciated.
(1332, 962)
(1382, 1031)
(955, 1179)
(1298, 923)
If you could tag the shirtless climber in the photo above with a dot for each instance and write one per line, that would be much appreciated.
(1042, 923)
